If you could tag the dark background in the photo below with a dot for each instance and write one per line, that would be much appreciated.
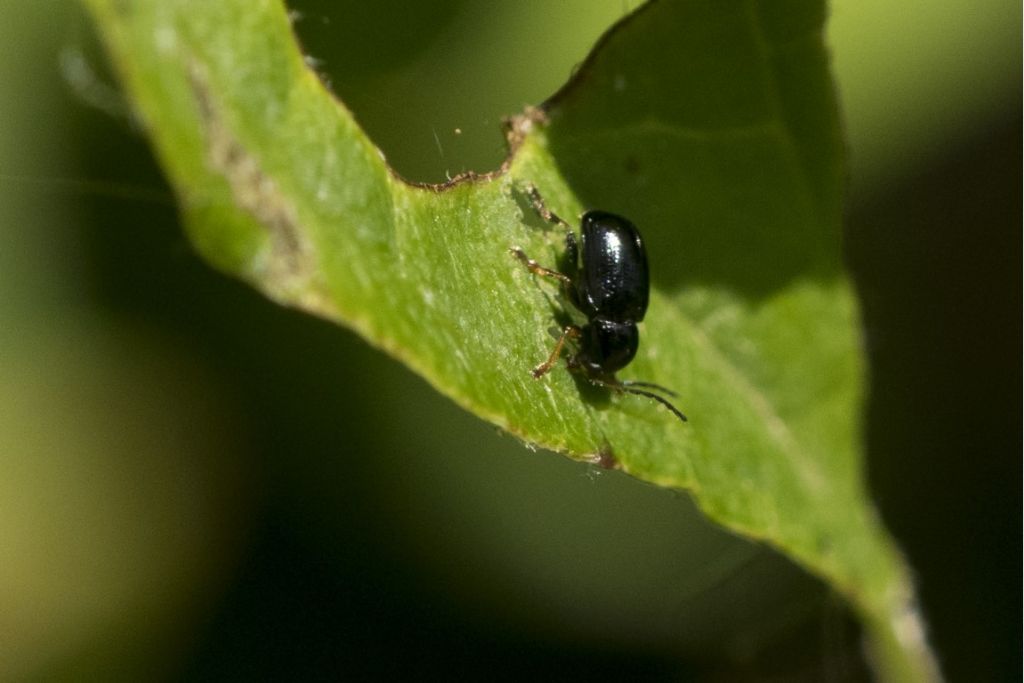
(197, 483)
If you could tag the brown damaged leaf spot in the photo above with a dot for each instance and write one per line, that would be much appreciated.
(604, 458)
(289, 269)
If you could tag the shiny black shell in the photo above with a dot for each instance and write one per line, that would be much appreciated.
(612, 282)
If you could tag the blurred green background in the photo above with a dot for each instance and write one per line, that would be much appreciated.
(196, 483)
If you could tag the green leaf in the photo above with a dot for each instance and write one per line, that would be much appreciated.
(712, 124)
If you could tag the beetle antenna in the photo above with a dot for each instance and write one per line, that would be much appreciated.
(649, 385)
(663, 401)
(630, 388)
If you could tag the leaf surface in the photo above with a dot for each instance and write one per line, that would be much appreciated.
(713, 125)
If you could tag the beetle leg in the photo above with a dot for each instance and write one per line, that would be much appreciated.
(538, 269)
(542, 369)
(540, 207)
(572, 254)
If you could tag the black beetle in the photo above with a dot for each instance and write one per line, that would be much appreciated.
(608, 282)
